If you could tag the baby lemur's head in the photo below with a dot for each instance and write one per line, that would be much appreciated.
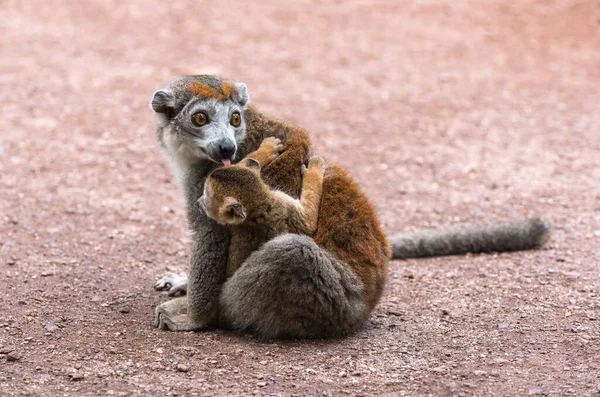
(231, 194)
(201, 117)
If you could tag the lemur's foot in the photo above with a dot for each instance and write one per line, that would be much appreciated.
(175, 283)
(172, 316)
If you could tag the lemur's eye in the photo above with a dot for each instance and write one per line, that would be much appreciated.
(199, 119)
(236, 119)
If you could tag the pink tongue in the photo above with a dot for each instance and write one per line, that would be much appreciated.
(226, 162)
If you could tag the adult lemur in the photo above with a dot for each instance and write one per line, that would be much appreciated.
(294, 285)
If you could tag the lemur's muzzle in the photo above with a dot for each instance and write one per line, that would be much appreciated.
(226, 151)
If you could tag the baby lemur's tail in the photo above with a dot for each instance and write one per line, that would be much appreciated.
(513, 236)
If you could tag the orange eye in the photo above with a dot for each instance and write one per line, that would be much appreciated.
(199, 119)
(236, 119)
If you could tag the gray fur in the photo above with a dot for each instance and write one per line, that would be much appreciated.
(514, 236)
(209, 252)
(293, 288)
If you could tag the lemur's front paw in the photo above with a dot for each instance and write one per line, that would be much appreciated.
(273, 146)
(175, 283)
(317, 163)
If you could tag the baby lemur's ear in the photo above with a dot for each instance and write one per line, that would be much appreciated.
(241, 94)
(236, 210)
(251, 163)
(163, 101)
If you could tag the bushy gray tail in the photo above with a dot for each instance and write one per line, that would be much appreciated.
(513, 236)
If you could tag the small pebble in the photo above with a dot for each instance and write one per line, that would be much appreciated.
(124, 309)
(479, 372)
(494, 372)
(261, 384)
(182, 368)
(393, 312)
(76, 376)
(503, 325)
(342, 374)
(12, 356)
(160, 350)
(51, 327)
(536, 391)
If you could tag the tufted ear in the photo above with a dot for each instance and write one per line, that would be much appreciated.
(241, 94)
(236, 210)
(251, 163)
(163, 101)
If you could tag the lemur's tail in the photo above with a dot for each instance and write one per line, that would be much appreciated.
(513, 236)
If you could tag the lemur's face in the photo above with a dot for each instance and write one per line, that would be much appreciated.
(202, 117)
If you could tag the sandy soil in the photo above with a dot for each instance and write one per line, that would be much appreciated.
(445, 112)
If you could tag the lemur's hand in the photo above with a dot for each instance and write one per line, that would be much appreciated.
(318, 164)
(269, 150)
(272, 145)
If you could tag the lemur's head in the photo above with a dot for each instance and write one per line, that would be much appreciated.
(231, 194)
(203, 116)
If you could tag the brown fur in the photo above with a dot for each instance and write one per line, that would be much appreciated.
(284, 173)
(348, 225)
(260, 213)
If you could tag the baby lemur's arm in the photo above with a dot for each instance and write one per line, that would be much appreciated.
(312, 189)
(303, 214)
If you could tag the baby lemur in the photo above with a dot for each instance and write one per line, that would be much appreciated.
(294, 285)
(237, 197)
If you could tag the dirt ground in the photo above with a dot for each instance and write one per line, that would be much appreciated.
(446, 113)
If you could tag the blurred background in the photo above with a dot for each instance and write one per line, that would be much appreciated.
(445, 112)
(430, 104)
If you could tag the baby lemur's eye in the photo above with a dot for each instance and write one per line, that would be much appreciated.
(199, 119)
(236, 119)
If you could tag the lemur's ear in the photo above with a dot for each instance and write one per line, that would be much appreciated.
(241, 94)
(236, 210)
(251, 163)
(163, 101)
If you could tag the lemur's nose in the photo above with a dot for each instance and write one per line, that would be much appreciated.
(227, 149)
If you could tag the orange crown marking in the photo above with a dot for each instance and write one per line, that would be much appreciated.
(227, 88)
(204, 90)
